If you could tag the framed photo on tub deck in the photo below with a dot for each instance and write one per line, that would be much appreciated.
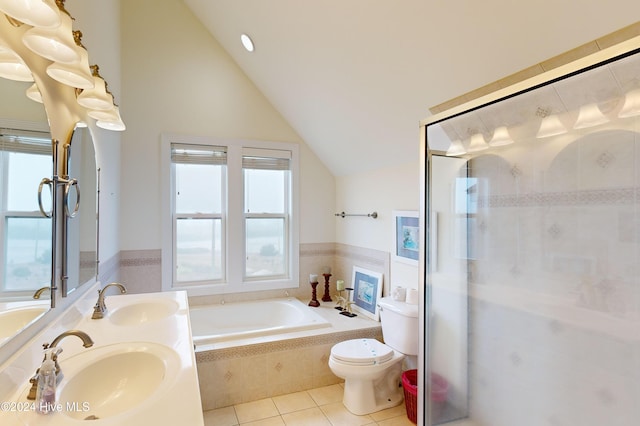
(367, 289)
(407, 236)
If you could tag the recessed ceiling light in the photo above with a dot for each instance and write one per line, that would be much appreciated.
(247, 42)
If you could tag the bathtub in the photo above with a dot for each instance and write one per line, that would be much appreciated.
(242, 320)
(247, 350)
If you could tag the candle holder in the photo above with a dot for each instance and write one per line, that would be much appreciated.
(340, 302)
(314, 301)
(326, 297)
(347, 309)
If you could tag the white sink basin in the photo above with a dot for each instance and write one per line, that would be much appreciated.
(113, 380)
(117, 378)
(143, 312)
(14, 320)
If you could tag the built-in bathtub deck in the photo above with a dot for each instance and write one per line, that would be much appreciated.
(246, 370)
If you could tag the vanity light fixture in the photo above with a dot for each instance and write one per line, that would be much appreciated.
(477, 143)
(37, 13)
(97, 97)
(34, 94)
(590, 116)
(456, 148)
(77, 75)
(631, 106)
(500, 137)
(103, 115)
(55, 44)
(247, 42)
(550, 124)
(12, 67)
(115, 124)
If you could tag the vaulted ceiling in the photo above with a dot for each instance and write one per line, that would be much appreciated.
(355, 77)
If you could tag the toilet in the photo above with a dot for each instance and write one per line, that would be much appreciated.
(372, 370)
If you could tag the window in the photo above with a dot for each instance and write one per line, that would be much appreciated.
(230, 222)
(25, 158)
(198, 205)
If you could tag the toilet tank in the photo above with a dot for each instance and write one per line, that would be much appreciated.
(399, 325)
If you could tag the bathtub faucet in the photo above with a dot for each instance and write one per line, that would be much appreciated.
(101, 308)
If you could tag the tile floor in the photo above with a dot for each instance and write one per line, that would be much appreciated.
(315, 407)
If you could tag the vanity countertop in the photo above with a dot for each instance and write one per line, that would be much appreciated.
(160, 323)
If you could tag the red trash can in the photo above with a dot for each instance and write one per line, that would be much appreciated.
(439, 389)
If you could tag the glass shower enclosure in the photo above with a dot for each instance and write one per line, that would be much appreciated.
(531, 254)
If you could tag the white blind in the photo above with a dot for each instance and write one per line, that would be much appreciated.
(25, 142)
(266, 159)
(198, 154)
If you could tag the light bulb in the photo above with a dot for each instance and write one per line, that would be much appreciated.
(477, 143)
(589, 116)
(37, 13)
(550, 126)
(456, 148)
(500, 137)
(631, 106)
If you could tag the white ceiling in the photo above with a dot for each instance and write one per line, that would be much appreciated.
(355, 77)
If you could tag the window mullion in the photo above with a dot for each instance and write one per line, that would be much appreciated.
(235, 216)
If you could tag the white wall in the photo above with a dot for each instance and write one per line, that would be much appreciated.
(99, 23)
(177, 79)
(382, 191)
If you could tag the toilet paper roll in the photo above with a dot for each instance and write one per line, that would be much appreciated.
(400, 293)
(413, 298)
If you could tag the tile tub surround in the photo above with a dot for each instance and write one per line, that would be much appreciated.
(243, 371)
(181, 402)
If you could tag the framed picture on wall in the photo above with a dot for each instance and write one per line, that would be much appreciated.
(407, 236)
(367, 290)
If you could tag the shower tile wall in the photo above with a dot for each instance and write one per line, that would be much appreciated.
(554, 316)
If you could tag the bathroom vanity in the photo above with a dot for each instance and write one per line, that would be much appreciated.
(141, 368)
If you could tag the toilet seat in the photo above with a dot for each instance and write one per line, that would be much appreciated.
(361, 352)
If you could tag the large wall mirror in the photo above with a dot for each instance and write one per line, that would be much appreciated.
(25, 234)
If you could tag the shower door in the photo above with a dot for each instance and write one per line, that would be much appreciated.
(532, 266)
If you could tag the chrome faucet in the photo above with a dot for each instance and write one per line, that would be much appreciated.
(39, 292)
(86, 342)
(100, 309)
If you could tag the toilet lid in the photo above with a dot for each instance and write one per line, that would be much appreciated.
(362, 351)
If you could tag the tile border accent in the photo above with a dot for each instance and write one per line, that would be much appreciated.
(109, 269)
(310, 250)
(568, 198)
(129, 258)
(360, 255)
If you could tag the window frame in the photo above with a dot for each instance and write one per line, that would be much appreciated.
(31, 130)
(233, 216)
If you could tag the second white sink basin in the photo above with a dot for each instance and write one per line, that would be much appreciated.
(143, 312)
(14, 320)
